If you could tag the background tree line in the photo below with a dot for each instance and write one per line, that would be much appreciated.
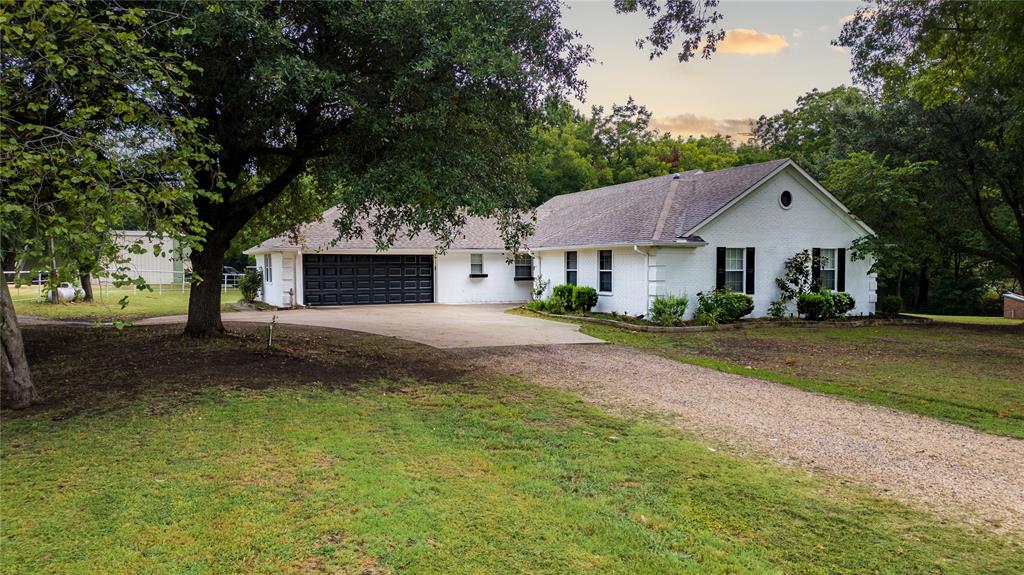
(927, 150)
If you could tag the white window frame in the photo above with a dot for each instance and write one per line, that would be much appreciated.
(268, 269)
(742, 270)
(574, 270)
(476, 264)
(523, 260)
(828, 255)
(602, 270)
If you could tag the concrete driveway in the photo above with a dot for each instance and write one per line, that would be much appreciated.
(437, 325)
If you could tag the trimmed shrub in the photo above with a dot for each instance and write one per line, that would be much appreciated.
(550, 305)
(583, 298)
(813, 306)
(250, 284)
(555, 305)
(842, 303)
(722, 306)
(890, 305)
(669, 309)
(563, 292)
(824, 305)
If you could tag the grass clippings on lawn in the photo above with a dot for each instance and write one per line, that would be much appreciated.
(967, 374)
(341, 452)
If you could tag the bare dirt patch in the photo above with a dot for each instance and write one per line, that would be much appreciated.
(79, 368)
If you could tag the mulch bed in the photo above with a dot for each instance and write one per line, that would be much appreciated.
(743, 324)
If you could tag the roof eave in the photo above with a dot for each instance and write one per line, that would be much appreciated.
(622, 244)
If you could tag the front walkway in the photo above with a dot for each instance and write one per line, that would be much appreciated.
(436, 325)
(910, 457)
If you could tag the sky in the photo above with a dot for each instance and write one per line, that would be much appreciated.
(773, 53)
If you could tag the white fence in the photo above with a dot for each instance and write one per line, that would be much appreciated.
(159, 280)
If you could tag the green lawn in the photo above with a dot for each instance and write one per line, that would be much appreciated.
(289, 461)
(172, 301)
(970, 319)
(968, 374)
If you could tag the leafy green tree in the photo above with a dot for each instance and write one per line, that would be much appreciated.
(85, 143)
(822, 127)
(962, 64)
(571, 152)
(412, 115)
(897, 202)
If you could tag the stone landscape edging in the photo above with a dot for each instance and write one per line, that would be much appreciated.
(741, 324)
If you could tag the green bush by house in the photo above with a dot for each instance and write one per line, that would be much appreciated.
(669, 309)
(250, 284)
(722, 306)
(583, 298)
(890, 305)
(824, 305)
(566, 297)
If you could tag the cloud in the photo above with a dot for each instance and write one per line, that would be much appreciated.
(694, 125)
(751, 42)
(868, 13)
(797, 33)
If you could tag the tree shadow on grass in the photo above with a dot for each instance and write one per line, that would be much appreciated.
(94, 370)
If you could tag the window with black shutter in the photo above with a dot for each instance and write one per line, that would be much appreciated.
(750, 271)
(841, 269)
(735, 269)
(719, 268)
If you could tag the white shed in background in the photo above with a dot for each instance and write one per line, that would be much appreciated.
(165, 268)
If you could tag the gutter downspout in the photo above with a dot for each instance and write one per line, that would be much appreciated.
(297, 280)
(647, 262)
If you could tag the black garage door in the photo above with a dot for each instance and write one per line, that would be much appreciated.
(334, 279)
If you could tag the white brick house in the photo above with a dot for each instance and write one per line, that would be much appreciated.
(677, 234)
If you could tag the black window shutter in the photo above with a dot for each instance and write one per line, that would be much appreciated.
(720, 269)
(750, 271)
(841, 269)
(815, 268)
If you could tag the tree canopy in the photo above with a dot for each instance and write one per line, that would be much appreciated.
(955, 70)
(408, 115)
(573, 152)
(86, 145)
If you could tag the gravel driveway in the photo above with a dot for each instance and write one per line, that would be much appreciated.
(912, 458)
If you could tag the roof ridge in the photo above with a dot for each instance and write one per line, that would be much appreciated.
(610, 186)
(666, 206)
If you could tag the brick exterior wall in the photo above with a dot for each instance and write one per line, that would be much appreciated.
(1013, 308)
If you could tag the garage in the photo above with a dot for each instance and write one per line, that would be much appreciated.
(344, 279)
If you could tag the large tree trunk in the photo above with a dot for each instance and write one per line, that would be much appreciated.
(13, 365)
(922, 290)
(85, 278)
(204, 297)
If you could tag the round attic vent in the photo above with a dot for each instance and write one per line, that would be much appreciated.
(785, 199)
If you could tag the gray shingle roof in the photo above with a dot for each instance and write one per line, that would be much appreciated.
(478, 233)
(659, 209)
